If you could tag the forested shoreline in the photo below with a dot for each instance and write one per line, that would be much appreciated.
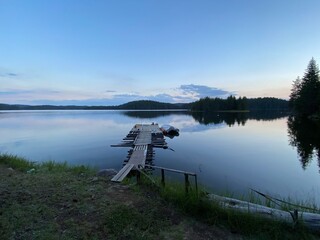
(205, 104)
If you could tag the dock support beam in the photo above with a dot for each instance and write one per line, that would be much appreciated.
(162, 177)
(196, 182)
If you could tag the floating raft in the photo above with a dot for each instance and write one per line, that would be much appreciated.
(141, 139)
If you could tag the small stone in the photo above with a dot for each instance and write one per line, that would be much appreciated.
(32, 170)
(95, 179)
(10, 169)
(108, 173)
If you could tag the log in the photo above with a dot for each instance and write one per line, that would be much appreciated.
(310, 220)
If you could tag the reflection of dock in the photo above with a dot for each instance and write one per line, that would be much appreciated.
(142, 138)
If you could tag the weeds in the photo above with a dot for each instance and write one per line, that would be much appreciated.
(63, 202)
(16, 162)
(199, 206)
(59, 201)
(22, 164)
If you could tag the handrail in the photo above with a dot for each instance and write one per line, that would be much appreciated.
(171, 170)
(186, 176)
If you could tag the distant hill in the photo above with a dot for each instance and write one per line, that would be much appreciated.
(51, 107)
(149, 105)
(134, 105)
(206, 104)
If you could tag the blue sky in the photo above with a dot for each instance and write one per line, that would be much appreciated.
(110, 52)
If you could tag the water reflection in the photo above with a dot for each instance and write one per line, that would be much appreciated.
(304, 134)
(228, 118)
(236, 118)
(153, 114)
(225, 158)
(217, 118)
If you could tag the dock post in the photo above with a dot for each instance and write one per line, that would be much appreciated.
(162, 178)
(196, 183)
(186, 182)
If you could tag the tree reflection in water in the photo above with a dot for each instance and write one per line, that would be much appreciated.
(206, 118)
(239, 118)
(304, 134)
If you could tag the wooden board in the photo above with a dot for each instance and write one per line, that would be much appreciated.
(138, 156)
(122, 173)
(140, 137)
(143, 138)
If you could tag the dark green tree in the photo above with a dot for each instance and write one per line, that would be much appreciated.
(217, 104)
(295, 92)
(305, 95)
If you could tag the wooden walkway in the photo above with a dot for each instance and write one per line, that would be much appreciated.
(142, 138)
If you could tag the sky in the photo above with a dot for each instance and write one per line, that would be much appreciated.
(114, 51)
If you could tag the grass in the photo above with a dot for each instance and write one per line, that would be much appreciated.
(58, 201)
(16, 162)
(23, 164)
(285, 204)
(211, 213)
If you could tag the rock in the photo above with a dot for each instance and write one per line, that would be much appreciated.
(10, 169)
(95, 179)
(32, 170)
(108, 173)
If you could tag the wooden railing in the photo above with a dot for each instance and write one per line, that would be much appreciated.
(186, 176)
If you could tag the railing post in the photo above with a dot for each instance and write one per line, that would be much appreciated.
(162, 177)
(196, 182)
(186, 182)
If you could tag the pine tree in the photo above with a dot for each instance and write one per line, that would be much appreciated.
(305, 95)
(295, 92)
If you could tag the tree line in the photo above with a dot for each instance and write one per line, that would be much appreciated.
(239, 104)
(217, 104)
(205, 104)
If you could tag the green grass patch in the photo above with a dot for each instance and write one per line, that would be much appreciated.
(57, 201)
(23, 164)
(134, 224)
(199, 206)
(16, 162)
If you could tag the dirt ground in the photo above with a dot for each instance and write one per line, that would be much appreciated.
(185, 226)
(68, 206)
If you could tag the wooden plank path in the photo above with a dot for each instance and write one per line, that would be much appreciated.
(141, 138)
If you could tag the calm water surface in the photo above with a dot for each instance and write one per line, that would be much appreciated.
(269, 152)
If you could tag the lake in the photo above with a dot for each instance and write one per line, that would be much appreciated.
(231, 152)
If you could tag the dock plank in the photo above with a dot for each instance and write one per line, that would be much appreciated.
(122, 173)
(139, 138)
(138, 156)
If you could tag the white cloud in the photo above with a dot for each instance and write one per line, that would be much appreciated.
(201, 91)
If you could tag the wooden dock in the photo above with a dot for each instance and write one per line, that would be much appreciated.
(141, 139)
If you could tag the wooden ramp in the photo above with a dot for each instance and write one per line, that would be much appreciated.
(122, 173)
(141, 138)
